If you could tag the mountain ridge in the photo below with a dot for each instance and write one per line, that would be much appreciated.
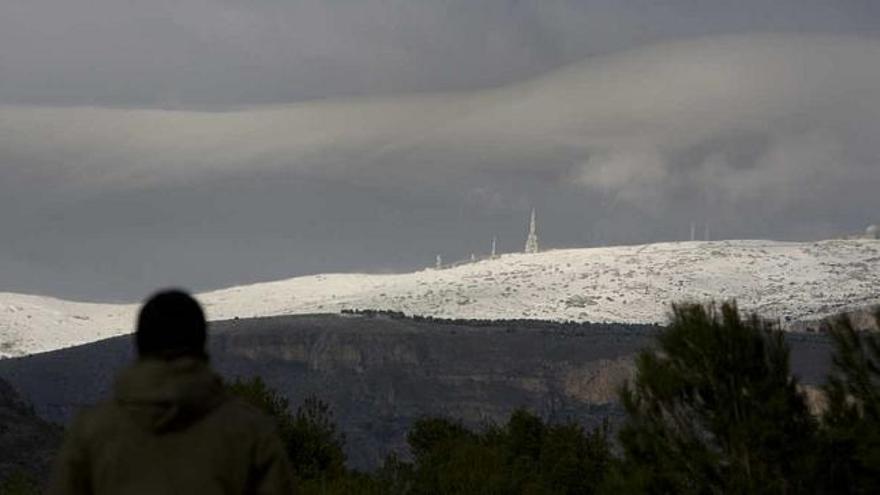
(793, 282)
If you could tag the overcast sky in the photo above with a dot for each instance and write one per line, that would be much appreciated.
(209, 143)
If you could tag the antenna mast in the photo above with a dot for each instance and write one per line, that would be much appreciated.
(532, 239)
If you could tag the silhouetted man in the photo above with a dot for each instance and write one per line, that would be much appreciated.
(169, 427)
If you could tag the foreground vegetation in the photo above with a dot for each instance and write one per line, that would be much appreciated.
(713, 409)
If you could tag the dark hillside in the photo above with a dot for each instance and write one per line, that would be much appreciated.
(380, 372)
(27, 442)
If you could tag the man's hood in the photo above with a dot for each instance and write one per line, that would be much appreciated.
(163, 395)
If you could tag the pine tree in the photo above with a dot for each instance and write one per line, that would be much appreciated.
(714, 409)
(852, 418)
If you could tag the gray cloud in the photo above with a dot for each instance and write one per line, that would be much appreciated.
(763, 136)
(225, 52)
(619, 123)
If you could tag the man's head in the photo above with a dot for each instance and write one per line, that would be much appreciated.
(171, 323)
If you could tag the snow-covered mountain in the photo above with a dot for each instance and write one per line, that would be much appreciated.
(785, 280)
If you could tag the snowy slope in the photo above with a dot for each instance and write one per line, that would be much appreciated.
(789, 281)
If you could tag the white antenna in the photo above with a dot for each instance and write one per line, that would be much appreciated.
(439, 264)
(473, 257)
(494, 239)
(532, 239)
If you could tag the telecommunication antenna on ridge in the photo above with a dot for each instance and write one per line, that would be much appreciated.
(532, 239)
(494, 239)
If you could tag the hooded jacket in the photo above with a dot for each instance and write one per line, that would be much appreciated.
(171, 429)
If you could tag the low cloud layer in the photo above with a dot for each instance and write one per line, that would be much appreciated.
(168, 53)
(760, 136)
(737, 116)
